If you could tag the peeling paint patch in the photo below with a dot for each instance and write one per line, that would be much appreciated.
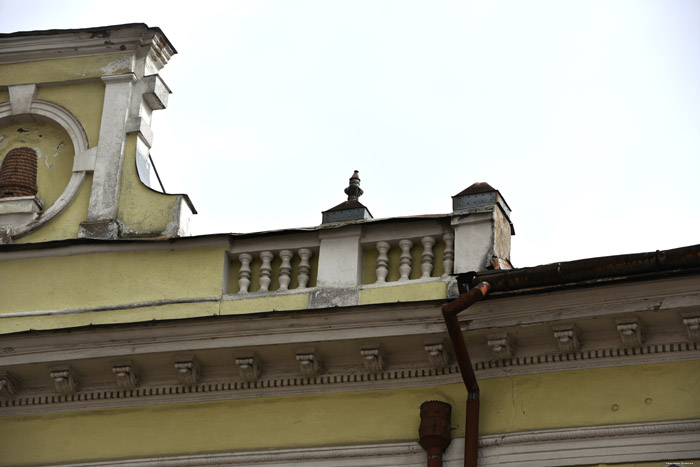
(58, 148)
(120, 65)
(40, 155)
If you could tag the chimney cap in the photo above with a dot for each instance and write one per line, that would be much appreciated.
(476, 188)
(477, 196)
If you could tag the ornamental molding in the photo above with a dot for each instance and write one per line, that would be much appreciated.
(692, 324)
(127, 377)
(64, 378)
(632, 332)
(567, 337)
(502, 345)
(144, 41)
(310, 364)
(188, 370)
(9, 385)
(676, 439)
(373, 357)
(24, 105)
(439, 353)
(88, 398)
(249, 367)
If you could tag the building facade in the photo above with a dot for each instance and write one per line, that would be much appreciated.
(123, 341)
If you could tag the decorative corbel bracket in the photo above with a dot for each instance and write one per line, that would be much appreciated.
(439, 354)
(9, 384)
(567, 336)
(64, 378)
(692, 325)
(631, 332)
(310, 363)
(502, 345)
(374, 358)
(127, 378)
(188, 370)
(249, 367)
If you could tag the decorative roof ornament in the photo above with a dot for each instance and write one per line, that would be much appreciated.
(353, 190)
(352, 209)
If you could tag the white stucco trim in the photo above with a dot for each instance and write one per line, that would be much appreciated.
(638, 442)
(104, 195)
(56, 114)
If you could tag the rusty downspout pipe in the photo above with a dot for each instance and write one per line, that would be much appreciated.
(450, 312)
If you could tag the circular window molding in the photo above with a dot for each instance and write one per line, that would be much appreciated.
(83, 159)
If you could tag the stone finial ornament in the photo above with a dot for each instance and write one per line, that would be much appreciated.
(18, 173)
(353, 190)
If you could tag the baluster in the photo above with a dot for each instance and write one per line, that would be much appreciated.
(382, 262)
(448, 258)
(244, 272)
(304, 267)
(265, 271)
(285, 269)
(426, 265)
(405, 259)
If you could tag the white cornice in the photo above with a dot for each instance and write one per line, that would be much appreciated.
(46, 45)
(108, 394)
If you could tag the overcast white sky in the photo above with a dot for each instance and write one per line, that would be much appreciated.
(584, 114)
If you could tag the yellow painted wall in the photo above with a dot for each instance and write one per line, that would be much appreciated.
(405, 292)
(545, 401)
(143, 211)
(109, 279)
(265, 304)
(4, 95)
(84, 100)
(66, 69)
(64, 225)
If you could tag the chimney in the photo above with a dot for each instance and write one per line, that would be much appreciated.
(481, 219)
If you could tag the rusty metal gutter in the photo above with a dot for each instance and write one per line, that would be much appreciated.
(587, 272)
(450, 312)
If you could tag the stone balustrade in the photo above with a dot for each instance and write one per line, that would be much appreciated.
(413, 258)
(272, 271)
(367, 256)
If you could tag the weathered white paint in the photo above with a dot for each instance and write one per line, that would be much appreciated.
(104, 196)
(340, 258)
(474, 241)
(18, 211)
(21, 97)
